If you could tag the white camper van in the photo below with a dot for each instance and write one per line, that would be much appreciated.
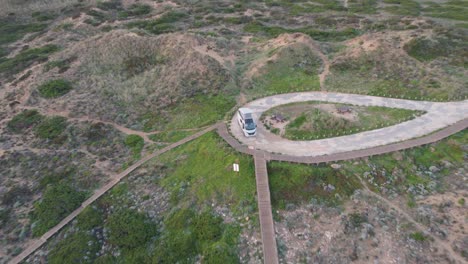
(246, 122)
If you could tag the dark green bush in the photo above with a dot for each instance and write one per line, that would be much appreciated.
(175, 247)
(160, 25)
(136, 10)
(90, 218)
(129, 229)
(135, 143)
(425, 49)
(51, 128)
(208, 227)
(418, 236)
(110, 5)
(11, 31)
(16, 193)
(43, 16)
(219, 253)
(74, 249)
(54, 88)
(57, 202)
(24, 120)
(25, 58)
(274, 31)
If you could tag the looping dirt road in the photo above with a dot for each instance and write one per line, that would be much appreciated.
(438, 115)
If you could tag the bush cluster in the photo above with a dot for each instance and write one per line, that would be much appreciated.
(54, 88)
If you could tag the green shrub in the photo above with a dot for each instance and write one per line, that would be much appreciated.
(136, 10)
(74, 248)
(362, 6)
(43, 16)
(25, 58)
(24, 120)
(219, 253)
(62, 65)
(129, 229)
(425, 49)
(51, 127)
(109, 5)
(10, 31)
(90, 218)
(135, 143)
(16, 193)
(461, 201)
(57, 202)
(208, 227)
(305, 182)
(175, 247)
(356, 220)
(298, 122)
(418, 236)
(274, 31)
(160, 25)
(54, 88)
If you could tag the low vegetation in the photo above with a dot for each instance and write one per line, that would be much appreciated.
(418, 236)
(171, 136)
(135, 143)
(54, 88)
(362, 6)
(274, 31)
(297, 183)
(415, 171)
(57, 202)
(293, 68)
(24, 59)
(412, 172)
(24, 121)
(164, 24)
(193, 112)
(378, 73)
(52, 128)
(206, 172)
(11, 31)
(195, 174)
(403, 8)
(73, 248)
(129, 229)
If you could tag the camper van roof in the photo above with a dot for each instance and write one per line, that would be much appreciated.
(245, 110)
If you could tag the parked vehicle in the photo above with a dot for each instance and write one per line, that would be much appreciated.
(246, 122)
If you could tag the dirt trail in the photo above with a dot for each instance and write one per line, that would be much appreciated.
(326, 65)
(302, 38)
(313, 45)
(443, 244)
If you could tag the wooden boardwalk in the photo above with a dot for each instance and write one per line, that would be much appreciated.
(99, 192)
(270, 252)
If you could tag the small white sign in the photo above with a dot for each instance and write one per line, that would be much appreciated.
(235, 167)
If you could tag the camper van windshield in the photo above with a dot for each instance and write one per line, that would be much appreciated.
(249, 124)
